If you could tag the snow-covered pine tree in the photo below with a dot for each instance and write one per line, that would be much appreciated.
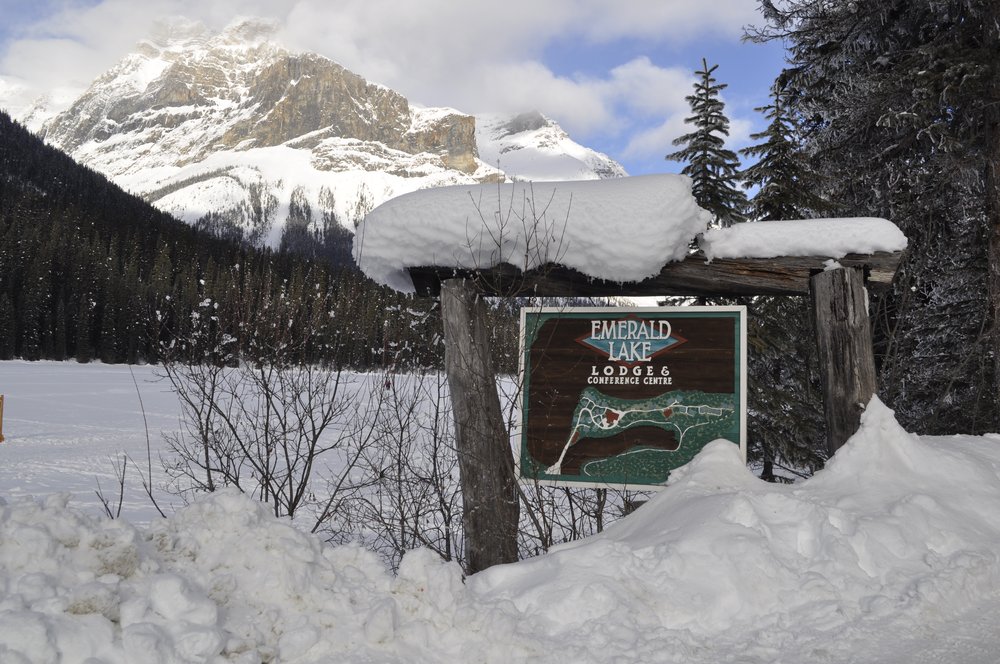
(902, 102)
(713, 169)
(786, 427)
(787, 186)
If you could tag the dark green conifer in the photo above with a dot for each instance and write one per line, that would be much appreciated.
(713, 169)
(787, 186)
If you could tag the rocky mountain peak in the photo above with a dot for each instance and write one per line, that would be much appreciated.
(237, 129)
(195, 94)
(534, 147)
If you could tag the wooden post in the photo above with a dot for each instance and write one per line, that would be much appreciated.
(486, 465)
(1, 418)
(847, 361)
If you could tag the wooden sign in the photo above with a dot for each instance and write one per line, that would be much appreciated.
(618, 396)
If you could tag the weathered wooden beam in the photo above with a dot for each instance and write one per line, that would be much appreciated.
(490, 505)
(847, 361)
(695, 276)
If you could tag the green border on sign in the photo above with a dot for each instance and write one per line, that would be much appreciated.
(655, 463)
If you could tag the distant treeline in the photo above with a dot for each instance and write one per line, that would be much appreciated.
(90, 272)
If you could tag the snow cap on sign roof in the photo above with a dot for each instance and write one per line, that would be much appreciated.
(621, 229)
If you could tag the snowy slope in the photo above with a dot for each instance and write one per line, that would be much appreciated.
(532, 147)
(889, 555)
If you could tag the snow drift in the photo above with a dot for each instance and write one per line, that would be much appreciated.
(897, 534)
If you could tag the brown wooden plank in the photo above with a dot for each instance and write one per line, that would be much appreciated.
(695, 276)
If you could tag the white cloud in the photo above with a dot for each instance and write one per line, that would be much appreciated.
(675, 20)
(34, 66)
(650, 89)
(76, 44)
(425, 47)
(656, 141)
(473, 55)
(739, 133)
(530, 85)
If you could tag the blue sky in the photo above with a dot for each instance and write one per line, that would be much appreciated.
(747, 69)
(613, 74)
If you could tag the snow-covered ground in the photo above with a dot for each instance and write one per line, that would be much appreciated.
(67, 424)
(888, 555)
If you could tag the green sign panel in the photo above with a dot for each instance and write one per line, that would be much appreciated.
(623, 396)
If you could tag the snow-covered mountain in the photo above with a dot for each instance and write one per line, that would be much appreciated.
(234, 126)
(530, 146)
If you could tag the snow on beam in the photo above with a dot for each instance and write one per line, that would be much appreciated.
(695, 276)
(625, 236)
(622, 229)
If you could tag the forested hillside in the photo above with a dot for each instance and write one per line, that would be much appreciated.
(899, 109)
(88, 271)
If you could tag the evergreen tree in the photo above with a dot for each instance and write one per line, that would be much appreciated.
(34, 306)
(7, 333)
(336, 242)
(108, 347)
(902, 116)
(786, 427)
(89, 271)
(297, 235)
(714, 170)
(787, 187)
(59, 339)
(84, 339)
